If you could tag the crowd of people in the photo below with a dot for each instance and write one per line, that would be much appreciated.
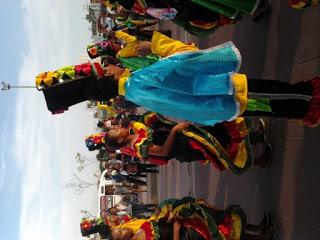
(137, 69)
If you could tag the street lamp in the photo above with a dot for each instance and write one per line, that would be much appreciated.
(7, 86)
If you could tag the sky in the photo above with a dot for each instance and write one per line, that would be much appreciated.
(37, 149)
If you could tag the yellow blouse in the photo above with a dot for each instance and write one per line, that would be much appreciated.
(164, 46)
(129, 50)
(241, 90)
(122, 81)
(135, 225)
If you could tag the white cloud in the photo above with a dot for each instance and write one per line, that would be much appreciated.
(45, 145)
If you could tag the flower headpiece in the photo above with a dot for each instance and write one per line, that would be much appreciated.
(93, 225)
(95, 141)
(101, 48)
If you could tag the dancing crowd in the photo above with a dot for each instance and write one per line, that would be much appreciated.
(169, 100)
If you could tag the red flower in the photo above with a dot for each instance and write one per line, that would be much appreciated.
(83, 69)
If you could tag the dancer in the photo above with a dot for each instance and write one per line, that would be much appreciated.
(201, 86)
(111, 52)
(187, 219)
(157, 140)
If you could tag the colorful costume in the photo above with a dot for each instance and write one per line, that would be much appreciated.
(225, 146)
(206, 87)
(199, 221)
(198, 17)
(201, 86)
(139, 147)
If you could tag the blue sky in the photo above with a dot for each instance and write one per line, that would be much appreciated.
(37, 149)
(13, 44)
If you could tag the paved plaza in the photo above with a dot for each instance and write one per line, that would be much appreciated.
(286, 46)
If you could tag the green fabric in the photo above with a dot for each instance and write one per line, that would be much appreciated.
(243, 6)
(136, 63)
(67, 72)
(188, 210)
(259, 104)
(217, 7)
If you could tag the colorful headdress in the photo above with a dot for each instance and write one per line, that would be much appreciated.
(90, 226)
(101, 48)
(74, 84)
(95, 141)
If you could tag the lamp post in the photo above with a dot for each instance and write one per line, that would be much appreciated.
(7, 86)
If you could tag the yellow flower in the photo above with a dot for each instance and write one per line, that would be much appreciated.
(46, 78)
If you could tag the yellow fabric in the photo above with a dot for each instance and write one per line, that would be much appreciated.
(129, 50)
(241, 90)
(110, 110)
(106, 3)
(135, 225)
(236, 227)
(208, 145)
(242, 156)
(165, 210)
(137, 126)
(122, 81)
(46, 78)
(164, 46)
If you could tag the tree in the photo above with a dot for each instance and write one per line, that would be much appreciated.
(78, 184)
(84, 161)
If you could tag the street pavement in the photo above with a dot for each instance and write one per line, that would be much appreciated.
(285, 45)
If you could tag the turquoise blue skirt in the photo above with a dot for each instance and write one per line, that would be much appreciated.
(194, 86)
